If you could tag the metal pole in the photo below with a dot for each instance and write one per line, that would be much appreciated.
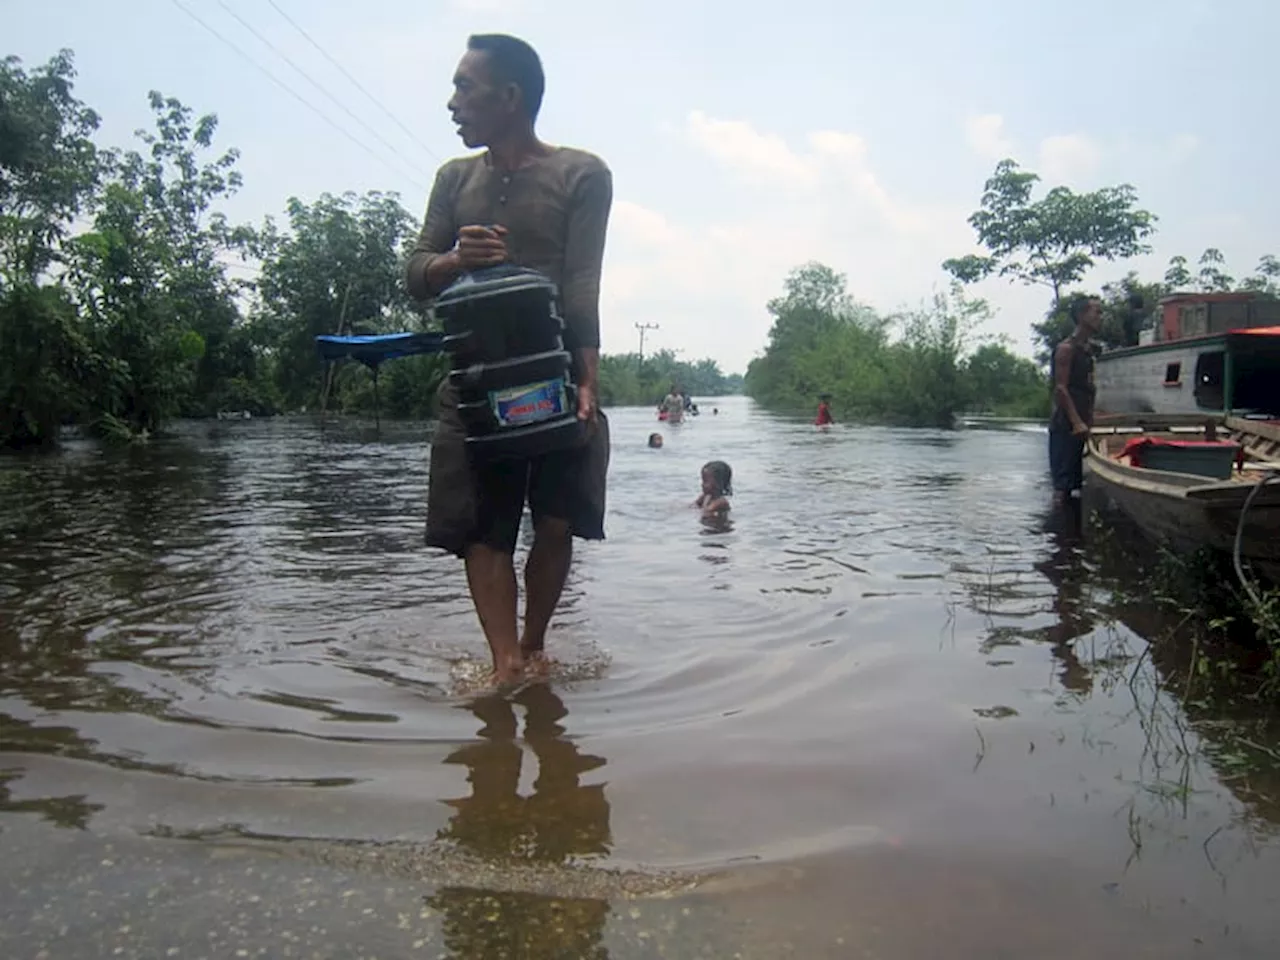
(642, 327)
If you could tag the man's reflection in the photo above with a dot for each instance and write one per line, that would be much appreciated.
(1065, 569)
(561, 820)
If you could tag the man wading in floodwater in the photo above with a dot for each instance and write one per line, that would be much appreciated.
(1073, 390)
(546, 208)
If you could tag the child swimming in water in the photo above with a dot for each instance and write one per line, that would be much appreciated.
(717, 488)
(655, 441)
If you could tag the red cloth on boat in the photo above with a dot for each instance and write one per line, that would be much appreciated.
(1136, 446)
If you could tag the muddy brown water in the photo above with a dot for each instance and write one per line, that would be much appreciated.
(878, 714)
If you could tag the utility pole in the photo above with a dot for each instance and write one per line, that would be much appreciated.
(642, 327)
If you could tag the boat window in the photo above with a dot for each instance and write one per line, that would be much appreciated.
(1173, 373)
(1210, 368)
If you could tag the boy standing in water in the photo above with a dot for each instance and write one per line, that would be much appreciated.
(1071, 370)
(824, 411)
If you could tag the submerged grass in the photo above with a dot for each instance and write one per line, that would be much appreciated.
(1224, 635)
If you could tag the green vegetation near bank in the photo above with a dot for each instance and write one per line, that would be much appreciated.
(628, 380)
(919, 367)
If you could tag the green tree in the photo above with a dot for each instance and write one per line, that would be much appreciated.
(908, 368)
(1212, 275)
(1178, 275)
(1128, 307)
(1266, 277)
(148, 279)
(626, 380)
(46, 364)
(820, 340)
(925, 377)
(337, 269)
(1052, 241)
(1001, 383)
(49, 166)
(49, 174)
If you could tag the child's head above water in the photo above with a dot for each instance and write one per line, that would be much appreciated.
(717, 479)
(655, 440)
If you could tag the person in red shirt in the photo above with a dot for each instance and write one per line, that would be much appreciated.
(824, 417)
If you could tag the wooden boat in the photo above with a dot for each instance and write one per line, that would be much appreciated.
(1187, 507)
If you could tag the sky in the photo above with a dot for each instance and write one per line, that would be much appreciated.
(742, 144)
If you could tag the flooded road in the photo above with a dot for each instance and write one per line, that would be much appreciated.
(880, 714)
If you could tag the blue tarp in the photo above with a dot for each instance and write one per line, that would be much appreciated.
(372, 350)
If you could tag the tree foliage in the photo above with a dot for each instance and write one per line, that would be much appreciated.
(49, 166)
(1001, 383)
(336, 269)
(907, 367)
(626, 380)
(1131, 304)
(1211, 275)
(1052, 241)
(1128, 307)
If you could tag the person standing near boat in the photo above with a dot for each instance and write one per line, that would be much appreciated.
(543, 207)
(1071, 371)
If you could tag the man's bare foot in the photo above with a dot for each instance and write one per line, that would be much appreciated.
(537, 666)
(508, 672)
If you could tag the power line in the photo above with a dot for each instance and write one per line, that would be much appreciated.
(297, 96)
(358, 85)
(315, 83)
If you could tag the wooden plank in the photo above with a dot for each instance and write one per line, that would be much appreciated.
(1261, 428)
(1156, 421)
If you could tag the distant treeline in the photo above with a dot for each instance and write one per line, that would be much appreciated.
(915, 367)
(626, 380)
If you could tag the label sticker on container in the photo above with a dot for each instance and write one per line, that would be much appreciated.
(531, 403)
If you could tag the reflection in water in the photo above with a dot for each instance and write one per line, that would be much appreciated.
(560, 822)
(72, 811)
(1065, 569)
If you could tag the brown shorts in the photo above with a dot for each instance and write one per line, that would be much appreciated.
(483, 502)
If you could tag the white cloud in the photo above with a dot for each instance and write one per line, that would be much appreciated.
(1068, 158)
(707, 280)
(986, 136)
(755, 157)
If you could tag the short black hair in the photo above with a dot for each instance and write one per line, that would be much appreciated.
(514, 61)
(1078, 304)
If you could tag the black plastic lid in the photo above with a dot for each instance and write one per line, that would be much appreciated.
(492, 282)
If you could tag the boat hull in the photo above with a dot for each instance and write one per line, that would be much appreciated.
(1185, 512)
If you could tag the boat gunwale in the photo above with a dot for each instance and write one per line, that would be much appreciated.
(1187, 487)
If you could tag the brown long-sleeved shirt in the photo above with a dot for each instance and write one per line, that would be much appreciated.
(556, 211)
